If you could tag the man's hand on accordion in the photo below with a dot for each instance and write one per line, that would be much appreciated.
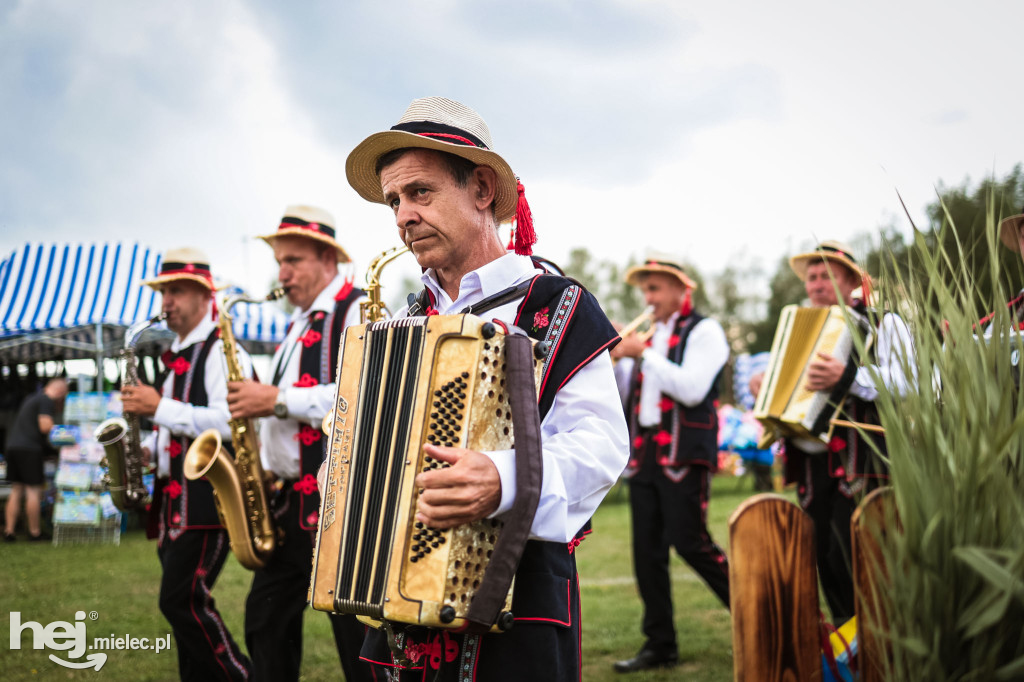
(824, 373)
(468, 490)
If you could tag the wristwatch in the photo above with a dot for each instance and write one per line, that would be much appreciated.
(280, 406)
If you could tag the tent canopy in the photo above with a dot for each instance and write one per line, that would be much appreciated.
(65, 301)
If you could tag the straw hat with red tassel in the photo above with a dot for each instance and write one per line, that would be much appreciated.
(836, 252)
(445, 125)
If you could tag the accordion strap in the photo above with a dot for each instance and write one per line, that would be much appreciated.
(490, 597)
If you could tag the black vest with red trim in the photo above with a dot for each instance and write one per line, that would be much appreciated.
(686, 435)
(189, 504)
(318, 365)
(560, 311)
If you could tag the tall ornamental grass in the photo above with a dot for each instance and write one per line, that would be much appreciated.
(953, 576)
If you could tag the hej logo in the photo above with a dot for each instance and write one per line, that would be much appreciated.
(60, 636)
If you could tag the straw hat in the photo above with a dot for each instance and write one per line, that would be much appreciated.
(311, 222)
(184, 263)
(827, 250)
(662, 265)
(1009, 229)
(443, 125)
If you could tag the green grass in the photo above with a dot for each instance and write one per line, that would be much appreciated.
(46, 583)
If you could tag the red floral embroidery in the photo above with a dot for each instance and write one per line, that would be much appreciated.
(312, 519)
(310, 337)
(306, 485)
(431, 310)
(173, 490)
(180, 366)
(319, 315)
(307, 435)
(836, 444)
(663, 438)
(840, 471)
(174, 448)
(540, 319)
(638, 442)
(673, 341)
(305, 381)
(175, 518)
(666, 404)
(414, 651)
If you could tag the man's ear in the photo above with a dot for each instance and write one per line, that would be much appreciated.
(485, 186)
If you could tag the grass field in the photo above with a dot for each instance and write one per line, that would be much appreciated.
(46, 583)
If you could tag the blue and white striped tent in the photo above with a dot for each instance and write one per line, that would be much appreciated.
(64, 301)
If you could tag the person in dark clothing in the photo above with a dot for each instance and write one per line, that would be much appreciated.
(27, 447)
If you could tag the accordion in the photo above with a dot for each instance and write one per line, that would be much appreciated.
(784, 406)
(449, 380)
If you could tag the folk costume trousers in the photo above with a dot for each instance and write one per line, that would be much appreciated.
(191, 563)
(667, 514)
(277, 600)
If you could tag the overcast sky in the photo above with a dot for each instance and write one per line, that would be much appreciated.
(719, 131)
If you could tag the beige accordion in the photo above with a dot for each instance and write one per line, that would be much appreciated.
(784, 406)
(401, 384)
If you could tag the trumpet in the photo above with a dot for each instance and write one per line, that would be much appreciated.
(646, 317)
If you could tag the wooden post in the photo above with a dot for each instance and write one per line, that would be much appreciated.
(773, 583)
(871, 521)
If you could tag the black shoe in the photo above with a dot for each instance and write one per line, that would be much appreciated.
(647, 660)
(10, 537)
(38, 538)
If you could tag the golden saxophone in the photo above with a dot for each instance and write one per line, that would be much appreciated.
(120, 438)
(238, 484)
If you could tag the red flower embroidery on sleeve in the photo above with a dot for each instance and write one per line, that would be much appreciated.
(307, 435)
(173, 490)
(306, 485)
(305, 381)
(310, 337)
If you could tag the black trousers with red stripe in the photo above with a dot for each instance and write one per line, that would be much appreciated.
(667, 514)
(191, 563)
(277, 600)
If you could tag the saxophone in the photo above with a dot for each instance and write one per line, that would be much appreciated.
(120, 438)
(374, 309)
(238, 484)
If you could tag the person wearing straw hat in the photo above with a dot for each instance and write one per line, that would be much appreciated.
(670, 383)
(448, 190)
(293, 404)
(191, 543)
(832, 478)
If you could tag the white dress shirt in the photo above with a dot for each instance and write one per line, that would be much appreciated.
(707, 351)
(279, 449)
(584, 435)
(188, 420)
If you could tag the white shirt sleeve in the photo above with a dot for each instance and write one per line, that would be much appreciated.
(585, 448)
(623, 372)
(894, 352)
(185, 419)
(707, 351)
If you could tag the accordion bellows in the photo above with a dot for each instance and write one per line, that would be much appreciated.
(784, 406)
(401, 384)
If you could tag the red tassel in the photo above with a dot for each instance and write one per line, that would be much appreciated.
(687, 305)
(525, 236)
(213, 310)
(345, 289)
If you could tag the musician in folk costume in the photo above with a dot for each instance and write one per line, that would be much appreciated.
(294, 402)
(437, 171)
(1011, 233)
(191, 543)
(832, 477)
(669, 384)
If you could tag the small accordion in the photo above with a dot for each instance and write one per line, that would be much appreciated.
(784, 406)
(404, 383)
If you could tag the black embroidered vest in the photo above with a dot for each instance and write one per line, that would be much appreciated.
(686, 435)
(189, 504)
(318, 365)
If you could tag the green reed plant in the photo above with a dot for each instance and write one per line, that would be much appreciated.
(952, 601)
